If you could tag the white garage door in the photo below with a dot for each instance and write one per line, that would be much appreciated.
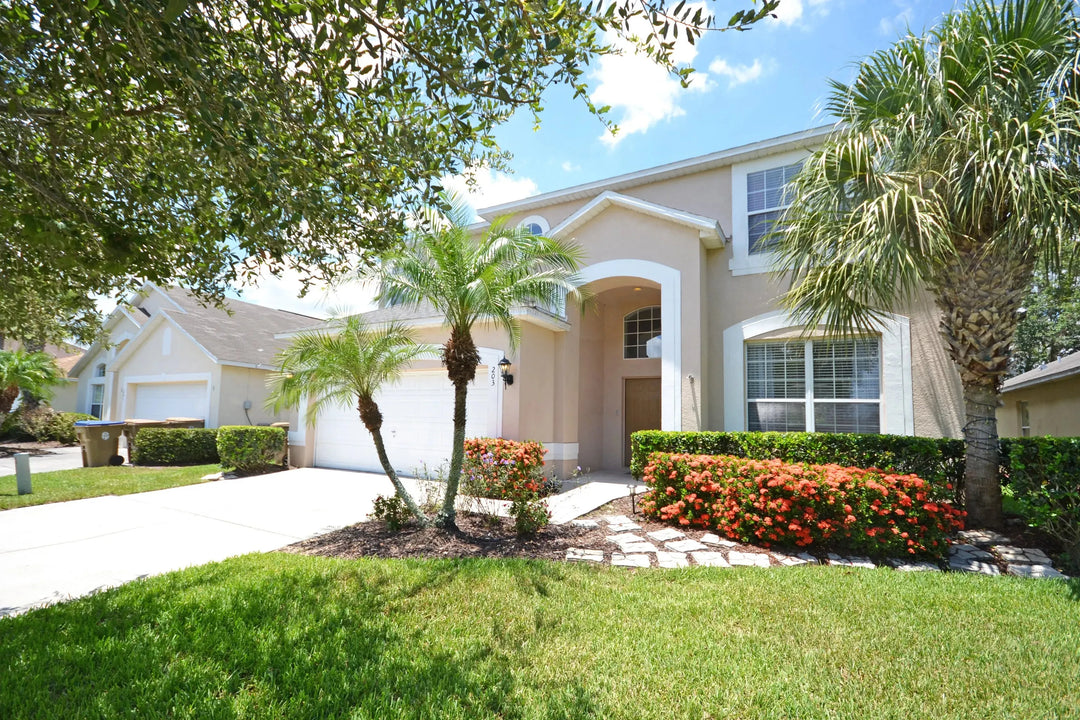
(157, 401)
(418, 424)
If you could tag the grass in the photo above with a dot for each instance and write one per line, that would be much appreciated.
(275, 636)
(61, 485)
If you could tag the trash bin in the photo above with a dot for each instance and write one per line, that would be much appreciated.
(100, 439)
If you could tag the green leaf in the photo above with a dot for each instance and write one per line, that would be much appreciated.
(174, 9)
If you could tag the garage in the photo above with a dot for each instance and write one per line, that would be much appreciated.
(418, 427)
(157, 401)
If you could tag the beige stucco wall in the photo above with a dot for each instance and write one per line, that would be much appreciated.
(156, 360)
(937, 396)
(1053, 409)
(239, 384)
(65, 396)
(122, 332)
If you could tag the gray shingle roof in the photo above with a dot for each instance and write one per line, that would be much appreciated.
(1060, 368)
(397, 313)
(244, 335)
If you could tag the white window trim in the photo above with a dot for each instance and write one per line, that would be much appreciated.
(742, 262)
(897, 404)
(545, 226)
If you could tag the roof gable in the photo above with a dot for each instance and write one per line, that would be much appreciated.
(709, 230)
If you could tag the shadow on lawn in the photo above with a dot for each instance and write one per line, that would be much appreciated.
(233, 640)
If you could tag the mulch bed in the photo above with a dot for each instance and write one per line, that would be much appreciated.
(489, 537)
(476, 536)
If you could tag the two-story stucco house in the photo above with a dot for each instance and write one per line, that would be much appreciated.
(685, 333)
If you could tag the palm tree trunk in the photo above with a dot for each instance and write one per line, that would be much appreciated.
(980, 295)
(982, 486)
(371, 416)
(402, 493)
(448, 515)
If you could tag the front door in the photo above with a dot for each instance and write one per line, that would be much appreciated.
(641, 409)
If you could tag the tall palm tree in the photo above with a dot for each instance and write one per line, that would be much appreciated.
(33, 372)
(348, 364)
(953, 170)
(469, 279)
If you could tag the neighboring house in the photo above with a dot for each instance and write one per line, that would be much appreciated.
(65, 395)
(685, 333)
(1043, 401)
(166, 355)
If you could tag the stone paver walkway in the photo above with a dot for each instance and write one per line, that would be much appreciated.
(976, 551)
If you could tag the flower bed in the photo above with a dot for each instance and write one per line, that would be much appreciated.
(504, 469)
(770, 502)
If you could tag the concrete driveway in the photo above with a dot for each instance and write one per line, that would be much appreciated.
(62, 458)
(50, 553)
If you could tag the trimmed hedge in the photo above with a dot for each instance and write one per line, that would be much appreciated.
(252, 449)
(770, 502)
(175, 446)
(1044, 475)
(936, 460)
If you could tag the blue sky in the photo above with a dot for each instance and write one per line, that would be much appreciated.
(750, 86)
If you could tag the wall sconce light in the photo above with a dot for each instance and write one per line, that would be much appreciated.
(504, 365)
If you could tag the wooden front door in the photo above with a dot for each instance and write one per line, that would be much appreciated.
(641, 409)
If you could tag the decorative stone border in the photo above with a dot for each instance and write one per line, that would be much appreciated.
(979, 552)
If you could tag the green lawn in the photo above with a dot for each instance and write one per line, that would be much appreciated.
(92, 482)
(280, 636)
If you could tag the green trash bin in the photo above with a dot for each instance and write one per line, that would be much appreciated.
(100, 440)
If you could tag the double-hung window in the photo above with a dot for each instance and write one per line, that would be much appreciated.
(814, 385)
(767, 197)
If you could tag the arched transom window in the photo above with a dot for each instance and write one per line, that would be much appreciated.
(641, 333)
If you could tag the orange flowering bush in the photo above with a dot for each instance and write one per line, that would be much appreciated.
(504, 469)
(770, 502)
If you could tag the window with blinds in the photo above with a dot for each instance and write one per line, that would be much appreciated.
(815, 386)
(767, 197)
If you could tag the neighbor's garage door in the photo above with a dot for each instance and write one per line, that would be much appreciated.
(418, 426)
(157, 401)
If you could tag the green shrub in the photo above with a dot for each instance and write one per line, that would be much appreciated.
(530, 514)
(175, 446)
(392, 510)
(63, 426)
(504, 469)
(1043, 474)
(936, 460)
(770, 502)
(44, 424)
(251, 449)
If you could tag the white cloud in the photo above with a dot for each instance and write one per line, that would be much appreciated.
(897, 24)
(570, 167)
(283, 292)
(490, 187)
(789, 12)
(737, 74)
(644, 92)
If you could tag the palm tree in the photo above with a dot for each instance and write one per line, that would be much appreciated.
(346, 365)
(469, 279)
(953, 170)
(33, 372)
